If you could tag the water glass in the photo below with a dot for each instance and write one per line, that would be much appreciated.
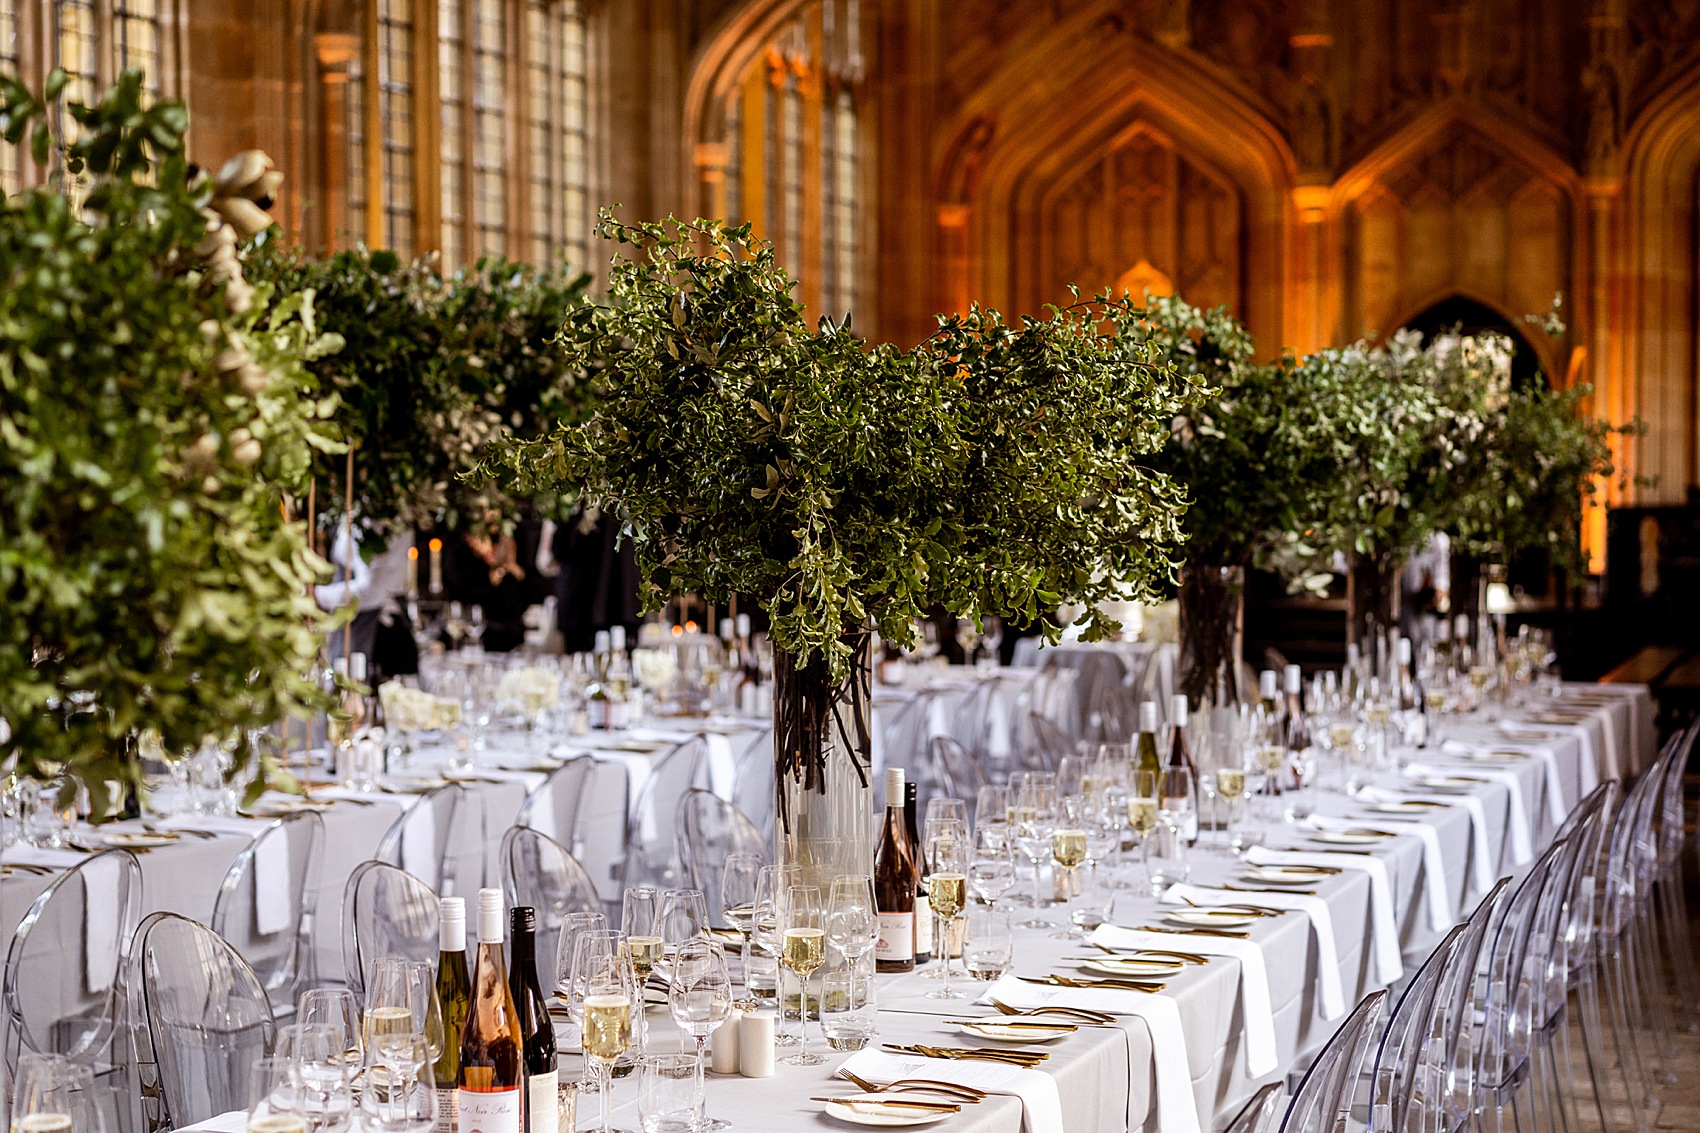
(1165, 857)
(46, 821)
(989, 942)
(277, 1098)
(849, 1006)
(991, 868)
(399, 1094)
(334, 1007)
(669, 1093)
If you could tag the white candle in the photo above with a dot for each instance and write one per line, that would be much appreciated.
(755, 1045)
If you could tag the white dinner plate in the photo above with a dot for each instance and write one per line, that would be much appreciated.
(1347, 838)
(1132, 967)
(1031, 1030)
(131, 840)
(1457, 781)
(281, 807)
(1206, 918)
(858, 1111)
(1496, 756)
(1286, 875)
(1402, 808)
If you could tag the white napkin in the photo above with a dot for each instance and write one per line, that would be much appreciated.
(1177, 1107)
(271, 883)
(1261, 1055)
(722, 764)
(1329, 988)
(1041, 1102)
(1482, 866)
(236, 1121)
(1557, 808)
(1384, 930)
(1440, 917)
(47, 859)
(217, 824)
(100, 923)
(1517, 811)
(419, 853)
(937, 723)
(1584, 740)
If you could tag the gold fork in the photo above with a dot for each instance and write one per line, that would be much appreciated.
(917, 1085)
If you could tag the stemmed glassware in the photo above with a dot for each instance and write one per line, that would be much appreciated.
(277, 1099)
(767, 933)
(336, 1008)
(575, 926)
(738, 887)
(322, 1074)
(852, 916)
(1068, 851)
(991, 807)
(640, 920)
(396, 1097)
(700, 1000)
(1142, 812)
(947, 892)
(605, 993)
(803, 949)
(402, 1000)
(52, 1094)
(1035, 816)
(991, 868)
(1230, 788)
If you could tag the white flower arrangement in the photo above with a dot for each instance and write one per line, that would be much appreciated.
(654, 669)
(412, 710)
(529, 688)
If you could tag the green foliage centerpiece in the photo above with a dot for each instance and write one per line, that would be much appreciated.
(151, 429)
(848, 488)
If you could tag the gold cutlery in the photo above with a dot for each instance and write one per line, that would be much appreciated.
(1081, 1013)
(1026, 1060)
(1184, 957)
(1055, 980)
(996, 1022)
(1323, 850)
(1282, 892)
(918, 1085)
(1230, 933)
(873, 1104)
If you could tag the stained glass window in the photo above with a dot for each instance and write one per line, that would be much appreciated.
(489, 130)
(395, 112)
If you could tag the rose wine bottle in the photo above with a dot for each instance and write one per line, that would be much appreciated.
(895, 883)
(492, 1074)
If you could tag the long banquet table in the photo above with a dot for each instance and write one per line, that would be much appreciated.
(1105, 1076)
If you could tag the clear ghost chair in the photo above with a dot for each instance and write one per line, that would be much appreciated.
(540, 872)
(386, 911)
(1456, 1007)
(1257, 1115)
(64, 967)
(1051, 743)
(440, 839)
(1516, 974)
(752, 788)
(956, 770)
(262, 907)
(1409, 1075)
(552, 807)
(203, 1019)
(1669, 892)
(602, 829)
(970, 722)
(903, 734)
(650, 857)
(709, 830)
(1323, 1100)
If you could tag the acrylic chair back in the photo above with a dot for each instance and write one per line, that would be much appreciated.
(540, 872)
(956, 770)
(204, 1019)
(1259, 1114)
(386, 911)
(650, 857)
(262, 907)
(440, 840)
(1457, 1002)
(709, 830)
(752, 783)
(552, 807)
(1324, 1097)
(62, 975)
(1409, 1077)
(1515, 981)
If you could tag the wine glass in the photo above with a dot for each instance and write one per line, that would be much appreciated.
(402, 999)
(803, 949)
(684, 917)
(1142, 811)
(947, 891)
(991, 869)
(1068, 852)
(1230, 788)
(991, 636)
(316, 1055)
(640, 920)
(397, 1097)
(1035, 814)
(1177, 803)
(700, 1000)
(852, 917)
(945, 809)
(276, 1105)
(605, 989)
(766, 937)
(573, 927)
(41, 1096)
(991, 807)
(334, 1007)
(475, 626)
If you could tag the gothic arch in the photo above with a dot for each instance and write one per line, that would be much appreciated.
(1066, 105)
(1659, 357)
(1500, 206)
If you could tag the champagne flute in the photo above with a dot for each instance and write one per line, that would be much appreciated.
(738, 888)
(852, 918)
(605, 988)
(947, 892)
(1034, 816)
(640, 920)
(403, 999)
(803, 950)
(991, 869)
(1068, 853)
(700, 1001)
(1230, 787)
(1142, 813)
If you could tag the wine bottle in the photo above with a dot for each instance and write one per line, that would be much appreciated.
(1296, 731)
(491, 1069)
(536, 1033)
(1413, 712)
(895, 883)
(1145, 757)
(454, 999)
(923, 902)
(1180, 777)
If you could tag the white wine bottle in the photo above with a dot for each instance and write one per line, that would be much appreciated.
(492, 1073)
(537, 1034)
(454, 999)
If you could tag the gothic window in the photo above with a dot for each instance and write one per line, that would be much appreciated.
(795, 151)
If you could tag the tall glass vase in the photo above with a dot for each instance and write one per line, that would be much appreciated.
(823, 742)
(1212, 631)
(1372, 604)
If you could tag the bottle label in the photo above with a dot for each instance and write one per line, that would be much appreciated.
(497, 1111)
(923, 926)
(448, 1110)
(897, 937)
(542, 1102)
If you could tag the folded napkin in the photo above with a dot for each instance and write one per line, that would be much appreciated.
(1517, 811)
(1440, 917)
(937, 723)
(1177, 1107)
(47, 859)
(1480, 861)
(722, 764)
(419, 853)
(100, 923)
(1584, 740)
(653, 735)
(236, 1121)
(1041, 1102)
(1557, 808)
(272, 904)
(1384, 930)
(1329, 988)
(1261, 1055)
